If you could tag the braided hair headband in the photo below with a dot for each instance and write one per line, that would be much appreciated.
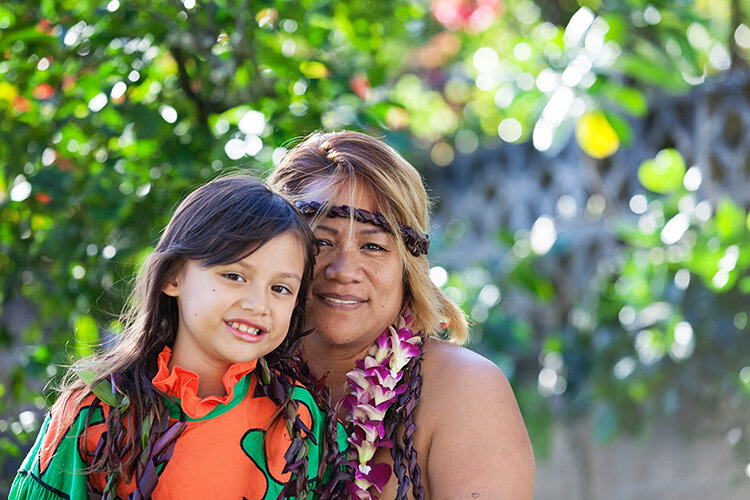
(417, 243)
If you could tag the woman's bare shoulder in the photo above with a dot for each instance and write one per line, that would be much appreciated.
(463, 380)
(454, 365)
(478, 440)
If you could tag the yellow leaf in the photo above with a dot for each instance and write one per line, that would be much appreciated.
(40, 222)
(313, 69)
(81, 111)
(166, 64)
(266, 16)
(596, 136)
(7, 91)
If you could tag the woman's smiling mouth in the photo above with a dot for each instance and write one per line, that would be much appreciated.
(341, 300)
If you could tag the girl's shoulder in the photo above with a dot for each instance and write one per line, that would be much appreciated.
(52, 468)
(69, 413)
(69, 405)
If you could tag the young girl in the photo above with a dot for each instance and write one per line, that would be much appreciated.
(196, 398)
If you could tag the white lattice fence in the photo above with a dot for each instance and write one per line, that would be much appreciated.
(511, 186)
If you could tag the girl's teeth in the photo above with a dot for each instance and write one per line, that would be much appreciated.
(244, 328)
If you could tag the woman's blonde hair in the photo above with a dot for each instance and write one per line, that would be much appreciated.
(350, 158)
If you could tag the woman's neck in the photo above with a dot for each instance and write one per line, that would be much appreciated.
(332, 360)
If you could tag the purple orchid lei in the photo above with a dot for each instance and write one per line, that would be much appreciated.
(372, 388)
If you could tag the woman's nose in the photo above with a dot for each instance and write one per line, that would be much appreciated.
(342, 266)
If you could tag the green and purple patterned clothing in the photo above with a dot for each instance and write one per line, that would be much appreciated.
(220, 453)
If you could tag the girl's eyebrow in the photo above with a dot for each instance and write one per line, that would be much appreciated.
(289, 275)
(292, 276)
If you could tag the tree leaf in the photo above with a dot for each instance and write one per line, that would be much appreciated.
(664, 173)
(730, 219)
(86, 335)
(596, 136)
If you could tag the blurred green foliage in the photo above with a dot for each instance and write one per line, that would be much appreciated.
(662, 332)
(111, 111)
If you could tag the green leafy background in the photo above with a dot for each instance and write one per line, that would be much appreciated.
(111, 111)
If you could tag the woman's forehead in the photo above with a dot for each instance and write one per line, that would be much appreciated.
(351, 192)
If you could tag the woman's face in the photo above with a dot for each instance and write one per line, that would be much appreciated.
(358, 288)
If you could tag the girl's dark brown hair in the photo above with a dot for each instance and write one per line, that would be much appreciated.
(219, 223)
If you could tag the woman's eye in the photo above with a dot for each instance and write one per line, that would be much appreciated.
(373, 246)
(234, 277)
(323, 243)
(281, 289)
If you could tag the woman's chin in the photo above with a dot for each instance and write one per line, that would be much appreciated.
(343, 335)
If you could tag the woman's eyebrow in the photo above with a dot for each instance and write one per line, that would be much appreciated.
(369, 229)
(373, 230)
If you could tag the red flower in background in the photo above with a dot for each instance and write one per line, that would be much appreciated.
(68, 82)
(361, 86)
(467, 15)
(64, 163)
(44, 26)
(438, 50)
(43, 91)
(21, 104)
(43, 198)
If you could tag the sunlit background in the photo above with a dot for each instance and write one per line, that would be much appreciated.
(587, 158)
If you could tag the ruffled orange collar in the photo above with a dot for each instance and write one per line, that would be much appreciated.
(183, 384)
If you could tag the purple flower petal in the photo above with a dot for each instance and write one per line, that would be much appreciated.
(379, 475)
(373, 387)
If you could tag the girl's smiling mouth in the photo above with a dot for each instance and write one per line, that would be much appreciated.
(246, 331)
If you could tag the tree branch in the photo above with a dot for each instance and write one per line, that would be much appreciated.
(202, 106)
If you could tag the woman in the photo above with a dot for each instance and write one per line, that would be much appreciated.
(426, 418)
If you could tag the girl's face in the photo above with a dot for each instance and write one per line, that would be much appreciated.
(358, 287)
(236, 312)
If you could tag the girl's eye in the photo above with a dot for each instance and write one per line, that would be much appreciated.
(323, 243)
(281, 289)
(234, 277)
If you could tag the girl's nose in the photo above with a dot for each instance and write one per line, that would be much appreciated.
(254, 303)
